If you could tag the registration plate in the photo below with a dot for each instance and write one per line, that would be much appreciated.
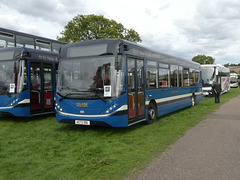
(81, 122)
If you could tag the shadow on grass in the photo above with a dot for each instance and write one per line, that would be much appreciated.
(99, 129)
(26, 119)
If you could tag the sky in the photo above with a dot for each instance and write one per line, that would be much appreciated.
(182, 28)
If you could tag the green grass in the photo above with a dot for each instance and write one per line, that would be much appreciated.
(41, 148)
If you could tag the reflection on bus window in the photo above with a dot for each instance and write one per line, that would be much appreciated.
(24, 42)
(86, 75)
(7, 76)
(180, 77)
(174, 75)
(22, 77)
(56, 47)
(164, 75)
(186, 77)
(191, 77)
(2, 43)
(151, 75)
(43, 45)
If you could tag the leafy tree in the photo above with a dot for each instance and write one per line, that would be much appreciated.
(89, 27)
(203, 59)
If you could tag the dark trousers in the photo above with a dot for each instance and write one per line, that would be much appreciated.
(217, 97)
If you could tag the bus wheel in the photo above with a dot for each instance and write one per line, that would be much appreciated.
(152, 113)
(193, 101)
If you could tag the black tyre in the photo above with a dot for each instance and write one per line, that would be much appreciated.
(193, 101)
(152, 113)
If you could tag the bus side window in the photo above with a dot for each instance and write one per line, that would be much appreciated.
(174, 75)
(191, 77)
(197, 76)
(2, 43)
(163, 75)
(180, 77)
(186, 77)
(152, 75)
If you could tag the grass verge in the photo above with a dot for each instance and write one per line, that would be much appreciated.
(40, 148)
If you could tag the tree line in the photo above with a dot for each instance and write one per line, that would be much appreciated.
(228, 64)
(90, 27)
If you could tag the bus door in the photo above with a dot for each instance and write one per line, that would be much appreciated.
(48, 87)
(136, 92)
(41, 88)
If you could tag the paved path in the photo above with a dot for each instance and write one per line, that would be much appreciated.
(209, 151)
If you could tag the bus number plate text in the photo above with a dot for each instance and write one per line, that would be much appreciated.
(81, 122)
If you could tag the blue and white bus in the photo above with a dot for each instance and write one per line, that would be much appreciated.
(117, 83)
(27, 81)
(28, 67)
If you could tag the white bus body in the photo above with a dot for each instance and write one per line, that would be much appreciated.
(215, 72)
(234, 80)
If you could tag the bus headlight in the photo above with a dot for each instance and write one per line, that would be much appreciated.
(14, 102)
(111, 108)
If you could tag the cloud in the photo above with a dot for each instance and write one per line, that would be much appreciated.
(182, 28)
(39, 17)
(213, 28)
(224, 9)
(55, 10)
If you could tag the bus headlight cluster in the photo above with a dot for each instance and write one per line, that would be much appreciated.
(14, 102)
(111, 108)
(58, 107)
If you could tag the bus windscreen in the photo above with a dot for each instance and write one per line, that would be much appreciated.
(6, 55)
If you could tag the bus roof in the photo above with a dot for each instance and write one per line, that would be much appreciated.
(212, 65)
(11, 38)
(119, 46)
(219, 67)
(10, 34)
(32, 54)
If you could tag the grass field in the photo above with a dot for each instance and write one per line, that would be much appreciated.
(41, 148)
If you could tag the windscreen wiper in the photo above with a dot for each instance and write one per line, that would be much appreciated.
(77, 93)
(71, 93)
(93, 91)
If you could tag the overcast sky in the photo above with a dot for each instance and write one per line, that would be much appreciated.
(183, 28)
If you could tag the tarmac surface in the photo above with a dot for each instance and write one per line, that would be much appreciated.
(208, 151)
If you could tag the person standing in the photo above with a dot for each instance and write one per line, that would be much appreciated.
(216, 91)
